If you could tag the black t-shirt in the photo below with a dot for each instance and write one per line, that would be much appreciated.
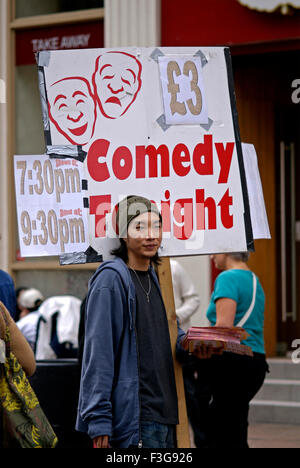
(157, 379)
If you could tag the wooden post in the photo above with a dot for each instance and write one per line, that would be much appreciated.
(166, 285)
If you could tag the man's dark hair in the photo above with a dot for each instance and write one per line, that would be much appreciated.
(122, 253)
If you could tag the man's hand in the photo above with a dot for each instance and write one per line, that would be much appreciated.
(101, 442)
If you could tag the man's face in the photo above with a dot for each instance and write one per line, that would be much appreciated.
(72, 109)
(117, 81)
(144, 236)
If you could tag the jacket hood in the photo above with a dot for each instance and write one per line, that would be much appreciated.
(117, 265)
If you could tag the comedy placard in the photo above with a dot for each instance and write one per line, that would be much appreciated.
(154, 122)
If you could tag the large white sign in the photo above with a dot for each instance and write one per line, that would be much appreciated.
(154, 122)
(259, 219)
(51, 216)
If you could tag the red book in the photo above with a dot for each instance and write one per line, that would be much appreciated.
(218, 337)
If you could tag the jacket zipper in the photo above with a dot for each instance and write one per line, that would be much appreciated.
(133, 318)
(140, 443)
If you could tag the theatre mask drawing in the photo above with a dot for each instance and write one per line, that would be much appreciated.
(81, 98)
(116, 82)
(72, 109)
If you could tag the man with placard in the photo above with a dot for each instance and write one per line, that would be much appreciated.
(160, 123)
(128, 392)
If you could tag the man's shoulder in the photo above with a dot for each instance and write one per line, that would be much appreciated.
(5, 276)
(234, 279)
(109, 273)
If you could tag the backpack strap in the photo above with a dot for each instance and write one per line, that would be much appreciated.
(249, 311)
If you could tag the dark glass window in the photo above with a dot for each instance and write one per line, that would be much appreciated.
(26, 8)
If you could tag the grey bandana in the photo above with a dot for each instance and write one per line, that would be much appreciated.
(131, 207)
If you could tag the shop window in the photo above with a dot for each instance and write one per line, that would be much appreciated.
(26, 8)
(29, 131)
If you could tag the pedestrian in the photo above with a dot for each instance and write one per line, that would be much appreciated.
(233, 380)
(8, 293)
(19, 308)
(57, 328)
(186, 298)
(128, 391)
(187, 301)
(19, 345)
(29, 302)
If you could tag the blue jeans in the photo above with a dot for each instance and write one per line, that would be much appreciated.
(155, 435)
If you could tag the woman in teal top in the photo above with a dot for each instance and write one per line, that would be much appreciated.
(232, 295)
(233, 380)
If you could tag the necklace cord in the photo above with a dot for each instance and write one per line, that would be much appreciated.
(146, 292)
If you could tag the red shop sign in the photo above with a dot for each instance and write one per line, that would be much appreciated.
(80, 36)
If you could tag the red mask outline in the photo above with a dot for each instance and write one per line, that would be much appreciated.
(60, 130)
(95, 86)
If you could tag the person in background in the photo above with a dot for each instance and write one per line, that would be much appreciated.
(186, 298)
(19, 309)
(187, 301)
(29, 303)
(237, 300)
(57, 328)
(19, 345)
(8, 293)
(20, 348)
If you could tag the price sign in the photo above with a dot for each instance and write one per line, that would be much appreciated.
(183, 90)
(51, 217)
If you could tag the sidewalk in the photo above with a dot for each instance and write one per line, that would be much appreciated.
(270, 436)
(274, 436)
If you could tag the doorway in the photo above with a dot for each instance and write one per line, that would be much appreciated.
(270, 120)
(288, 224)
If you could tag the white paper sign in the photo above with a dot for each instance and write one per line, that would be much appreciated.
(183, 90)
(259, 219)
(51, 217)
(109, 103)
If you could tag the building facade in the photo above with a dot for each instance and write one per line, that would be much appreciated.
(265, 46)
